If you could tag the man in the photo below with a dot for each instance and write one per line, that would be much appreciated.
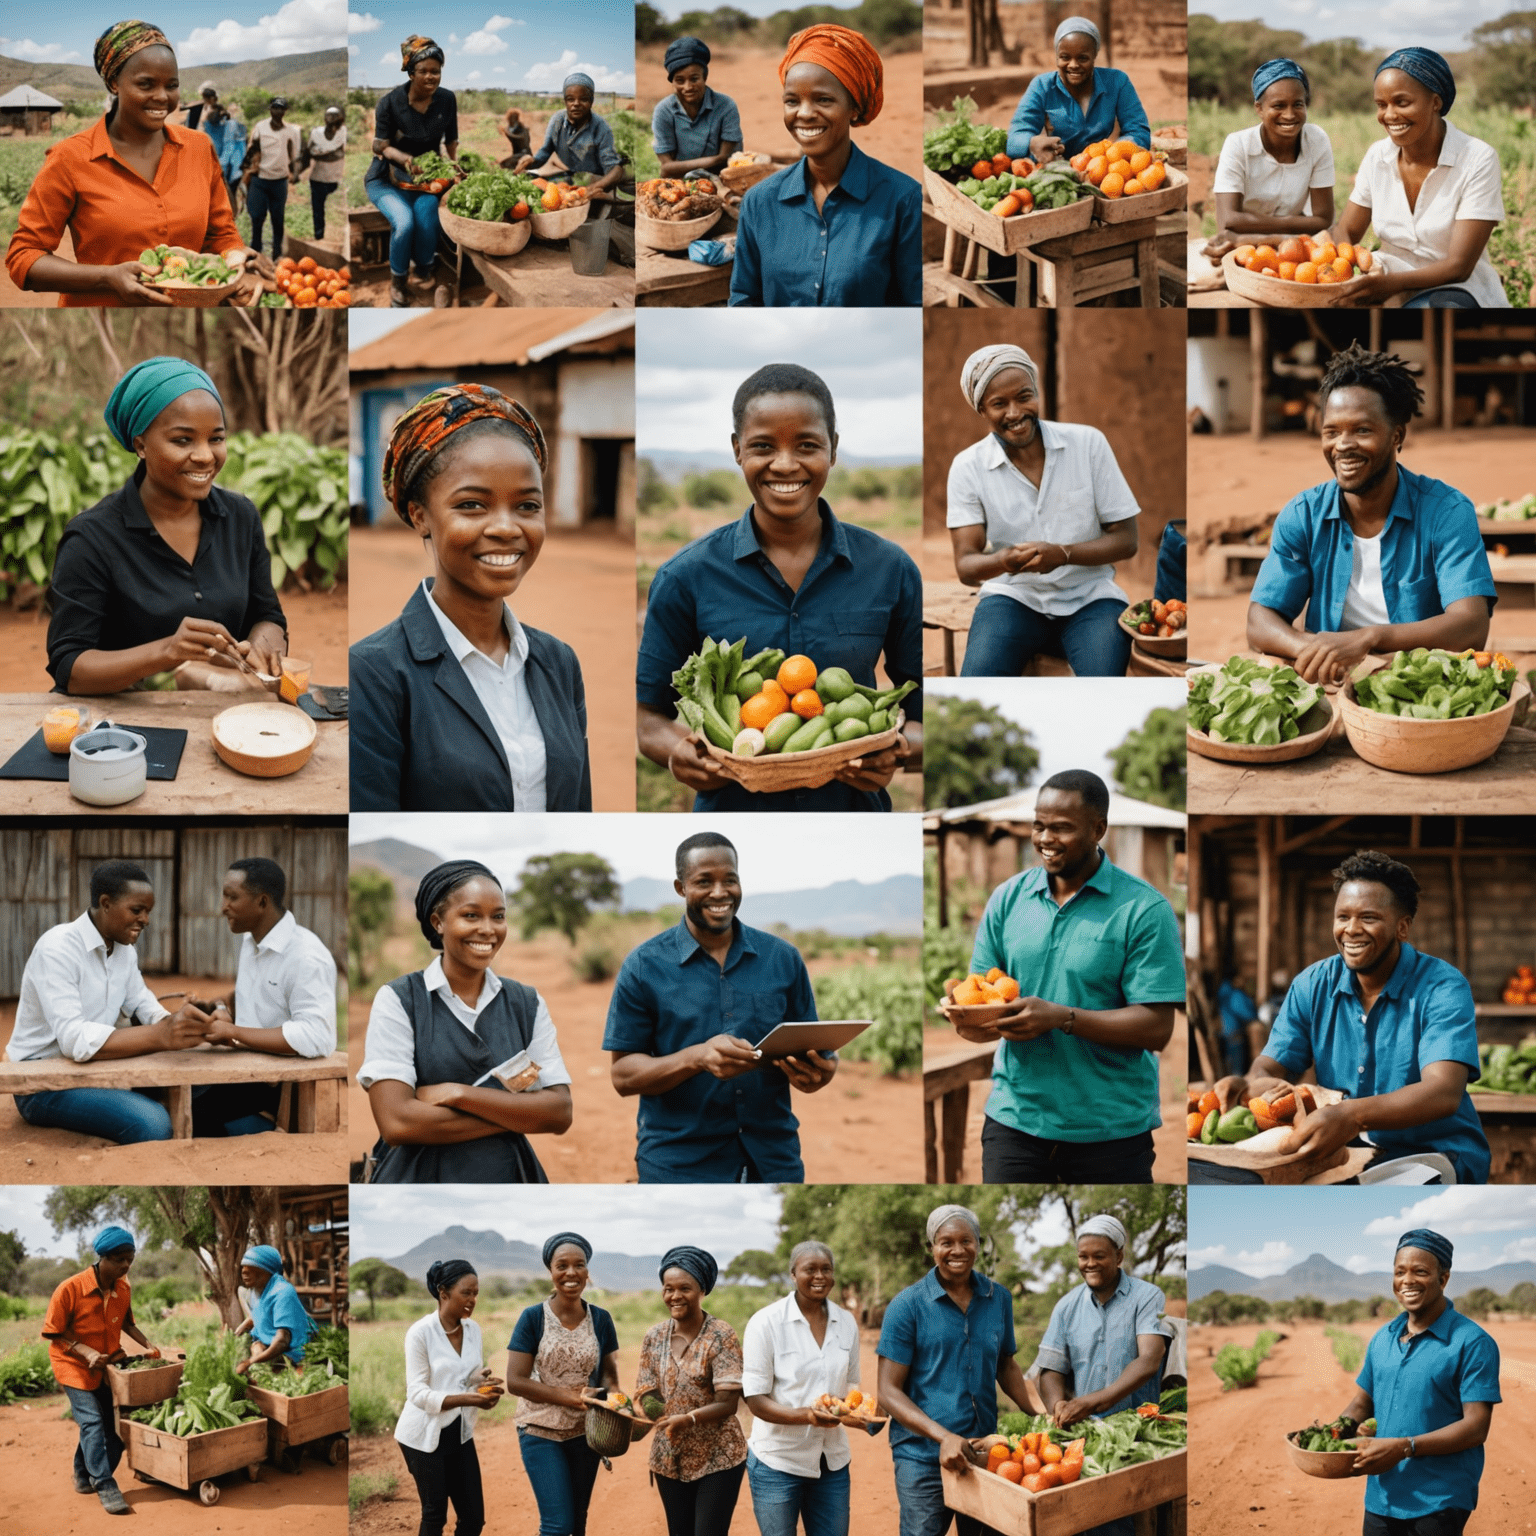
(86, 1318)
(1430, 1378)
(1392, 1029)
(1382, 559)
(279, 1324)
(1100, 969)
(686, 1010)
(324, 153)
(208, 98)
(582, 142)
(271, 166)
(82, 997)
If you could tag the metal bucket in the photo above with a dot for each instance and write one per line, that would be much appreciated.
(589, 248)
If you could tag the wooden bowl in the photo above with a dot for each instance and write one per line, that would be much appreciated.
(558, 225)
(1317, 724)
(195, 298)
(1426, 746)
(739, 177)
(267, 740)
(1273, 293)
(801, 770)
(1323, 1463)
(493, 237)
(1145, 205)
(672, 235)
(974, 1015)
(1172, 645)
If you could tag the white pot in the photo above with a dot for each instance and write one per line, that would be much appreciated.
(108, 765)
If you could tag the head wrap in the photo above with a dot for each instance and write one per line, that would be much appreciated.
(695, 1261)
(984, 366)
(146, 389)
(1430, 1242)
(446, 1273)
(437, 883)
(846, 54)
(561, 1240)
(112, 1240)
(682, 51)
(1103, 1226)
(1428, 68)
(337, 110)
(416, 48)
(946, 1213)
(207, 86)
(1077, 24)
(1278, 69)
(264, 1256)
(578, 79)
(424, 430)
(120, 42)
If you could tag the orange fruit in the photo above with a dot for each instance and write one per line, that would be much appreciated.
(1133, 186)
(1327, 274)
(1007, 988)
(806, 704)
(771, 690)
(1325, 250)
(1070, 1470)
(1347, 251)
(1306, 272)
(1292, 250)
(308, 264)
(1288, 271)
(1120, 168)
(1050, 1477)
(343, 300)
(551, 200)
(1098, 168)
(1267, 252)
(1362, 258)
(1123, 149)
(1140, 161)
(760, 711)
(996, 1454)
(993, 974)
(1078, 162)
(1010, 1472)
(1154, 176)
(1050, 1451)
(1030, 1462)
(1096, 149)
(1112, 186)
(1343, 268)
(796, 673)
(1244, 254)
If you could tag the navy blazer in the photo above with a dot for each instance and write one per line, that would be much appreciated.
(422, 741)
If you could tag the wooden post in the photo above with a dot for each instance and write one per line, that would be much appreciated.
(939, 838)
(1448, 372)
(180, 1107)
(1264, 832)
(930, 1144)
(1431, 411)
(1257, 371)
(1375, 330)
(1459, 904)
(955, 1109)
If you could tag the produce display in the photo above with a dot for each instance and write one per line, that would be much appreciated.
(291, 1383)
(433, 172)
(978, 991)
(494, 195)
(1506, 1068)
(327, 1346)
(305, 284)
(1042, 1457)
(1161, 621)
(675, 200)
(1331, 1437)
(1010, 189)
(1209, 1124)
(173, 266)
(1520, 989)
(856, 1407)
(1439, 685)
(141, 1363)
(1121, 169)
(1304, 259)
(196, 1411)
(557, 195)
(960, 143)
(1519, 511)
(1251, 704)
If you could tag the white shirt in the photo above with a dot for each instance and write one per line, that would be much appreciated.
(390, 1048)
(502, 689)
(288, 982)
(276, 144)
(1365, 602)
(1466, 184)
(1267, 185)
(780, 1359)
(326, 170)
(434, 1369)
(74, 994)
(1081, 492)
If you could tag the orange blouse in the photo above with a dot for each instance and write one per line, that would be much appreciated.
(113, 213)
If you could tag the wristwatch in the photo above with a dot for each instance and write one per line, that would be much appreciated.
(1411, 1451)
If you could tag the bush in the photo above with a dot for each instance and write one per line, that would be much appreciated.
(652, 493)
(14, 1308)
(1348, 1350)
(370, 1485)
(1224, 1309)
(715, 488)
(26, 1374)
(301, 492)
(891, 995)
(372, 1411)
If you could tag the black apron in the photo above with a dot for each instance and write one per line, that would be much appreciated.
(446, 1052)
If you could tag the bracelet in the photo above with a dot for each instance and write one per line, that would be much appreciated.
(1070, 1027)
(691, 1418)
(1411, 1452)
(1066, 554)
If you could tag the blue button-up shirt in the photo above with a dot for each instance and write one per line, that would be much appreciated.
(279, 1306)
(1091, 1342)
(1424, 1013)
(863, 250)
(671, 994)
(588, 149)
(1417, 1384)
(862, 596)
(952, 1358)
(1431, 554)
(1114, 102)
(676, 136)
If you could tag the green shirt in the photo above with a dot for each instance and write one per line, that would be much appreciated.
(1114, 944)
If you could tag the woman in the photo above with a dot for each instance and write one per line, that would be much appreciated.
(794, 1351)
(693, 1362)
(130, 181)
(1276, 178)
(435, 1036)
(837, 228)
(446, 1386)
(1060, 115)
(417, 118)
(695, 128)
(1039, 514)
(456, 706)
(170, 571)
(561, 1350)
(1434, 193)
(582, 140)
(787, 573)
(515, 131)
(280, 1323)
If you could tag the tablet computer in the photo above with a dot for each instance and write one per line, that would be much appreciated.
(823, 1035)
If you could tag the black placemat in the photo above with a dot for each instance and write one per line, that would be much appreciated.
(35, 761)
(322, 703)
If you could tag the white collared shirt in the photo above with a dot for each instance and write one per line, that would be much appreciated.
(502, 689)
(1081, 492)
(288, 982)
(390, 1048)
(1270, 186)
(434, 1369)
(1466, 184)
(74, 994)
(781, 1359)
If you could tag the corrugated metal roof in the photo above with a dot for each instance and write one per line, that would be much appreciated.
(465, 338)
(1123, 812)
(27, 96)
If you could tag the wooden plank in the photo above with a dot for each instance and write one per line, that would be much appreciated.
(956, 1107)
(941, 287)
(328, 1104)
(161, 1069)
(305, 1418)
(540, 275)
(179, 1106)
(1012, 1511)
(956, 1068)
(304, 1095)
(285, 1107)
(930, 1144)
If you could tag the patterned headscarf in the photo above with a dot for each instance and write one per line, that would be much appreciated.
(146, 389)
(693, 1261)
(1077, 24)
(416, 48)
(424, 430)
(1279, 69)
(443, 881)
(1431, 1242)
(120, 42)
(682, 51)
(983, 366)
(1428, 68)
(846, 54)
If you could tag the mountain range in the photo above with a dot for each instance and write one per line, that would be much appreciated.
(493, 1254)
(297, 74)
(1319, 1276)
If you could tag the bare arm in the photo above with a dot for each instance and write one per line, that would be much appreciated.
(522, 1383)
(893, 1398)
(1150, 1349)
(540, 1109)
(973, 566)
(1469, 239)
(665, 741)
(102, 671)
(1230, 216)
(52, 274)
(722, 1056)
(707, 163)
(1136, 1027)
(1436, 1095)
(271, 1042)
(265, 1352)
(1329, 657)
(404, 1120)
(179, 1031)
(1470, 1430)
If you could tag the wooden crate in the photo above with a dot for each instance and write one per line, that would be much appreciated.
(186, 1461)
(305, 1418)
(1169, 198)
(1012, 1511)
(137, 1389)
(1005, 236)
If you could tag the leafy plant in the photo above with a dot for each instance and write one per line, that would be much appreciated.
(372, 1412)
(1507, 1068)
(331, 1346)
(891, 995)
(1150, 762)
(632, 139)
(301, 492)
(369, 1485)
(1438, 685)
(960, 142)
(973, 752)
(26, 1374)
(1347, 1348)
(1239, 1367)
(1250, 703)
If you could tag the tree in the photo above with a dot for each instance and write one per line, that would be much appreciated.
(1478, 1303)
(1149, 763)
(652, 493)
(370, 915)
(1309, 1307)
(973, 752)
(13, 1253)
(759, 1264)
(1505, 60)
(375, 1278)
(1521, 1299)
(559, 890)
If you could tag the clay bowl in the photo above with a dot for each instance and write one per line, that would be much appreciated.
(673, 235)
(1316, 725)
(1176, 646)
(1322, 1463)
(976, 1016)
(558, 225)
(267, 740)
(1426, 746)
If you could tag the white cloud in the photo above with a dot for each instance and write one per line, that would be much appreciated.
(1274, 1258)
(1360, 1264)
(483, 42)
(1512, 1253)
(498, 70)
(300, 26)
(389, 58)
(501, 23)
(1463, 1212)
(38, 53)
(353, 50)
(363, 23)
(474, 74)
(551, 76)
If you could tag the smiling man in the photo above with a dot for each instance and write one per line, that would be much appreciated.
(1382, 559)
(686, 1009)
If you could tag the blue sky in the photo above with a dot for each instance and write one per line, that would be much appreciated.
(516, 48)
(1443, 25)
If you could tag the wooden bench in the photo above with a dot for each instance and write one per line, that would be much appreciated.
(947, 1081)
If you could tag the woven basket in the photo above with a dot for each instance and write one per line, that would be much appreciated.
(672, 235)
(740, 177)
(558, 225)
(608, 1433)
(494, 238)
(801, 770)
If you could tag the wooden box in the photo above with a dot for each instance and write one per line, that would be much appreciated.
(1013, 1511)
(137, 1389)
(185, 1461)
(305, 1418)
(1005, 236)
(1168, 198)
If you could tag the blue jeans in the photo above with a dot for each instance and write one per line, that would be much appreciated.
(412, 227)
(120, 1114)
(1172, 558)
(261, 198)
(99, 1450)
(318, 192)
(1442, 298)
(562, 1473)
(920, 1494)
(1005, 634)
(780, 1500)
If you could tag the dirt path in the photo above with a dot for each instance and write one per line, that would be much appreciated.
(12, 297)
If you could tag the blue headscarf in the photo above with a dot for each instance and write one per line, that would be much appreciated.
(578, 79)
(682, 51)
(1279, 69)
(264, 1257)
(560, 1240)
(112, 1240)
(1428, 68)
(1077, 24)
(1430, 1242)
(146, 389)
(695, 1262)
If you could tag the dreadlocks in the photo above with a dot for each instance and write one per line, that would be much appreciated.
(1384, 373)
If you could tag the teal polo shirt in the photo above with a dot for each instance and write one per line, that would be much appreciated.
(1114, 944)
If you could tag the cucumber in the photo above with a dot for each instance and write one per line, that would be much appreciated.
(809, 735)
(779, 730)
(730, 712)
(849, 730)
(878, 721)
(748, 684)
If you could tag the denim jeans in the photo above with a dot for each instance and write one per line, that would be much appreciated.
(1444, 1522)
(1005, 634)
(1442, 298)
(318, 192)
(451, 1473)
(261, 198)
(99, 1450)
(562, 1473)
(781, 1500)
(413, 227)
(1012, 1156)
(920, 1494)
(120, 1114)
(1172, 559)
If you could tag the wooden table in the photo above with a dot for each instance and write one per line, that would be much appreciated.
(204, 785)
(1509, 1123)
(540, 274)
(668, 279)
(1145, 664)
(947, 1081)
(1070, 270)
(949, 606)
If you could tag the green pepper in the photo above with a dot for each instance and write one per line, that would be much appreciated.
(1236, 1125)
(1208, 1130)
(834, 684)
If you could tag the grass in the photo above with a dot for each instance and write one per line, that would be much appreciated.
(369, 1485)
(1348, 1350)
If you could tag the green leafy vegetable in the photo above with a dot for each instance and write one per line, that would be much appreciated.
(1251, 704)
(960, 142)
(1239, 1367)
(1437, 685)
(1331, 1437)
(488, 195)
(1507, 1068)
(291, 1383)
(433, 167)
(1121, 1440)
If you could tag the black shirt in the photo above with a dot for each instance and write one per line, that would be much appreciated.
(118, 584)
(401, 126)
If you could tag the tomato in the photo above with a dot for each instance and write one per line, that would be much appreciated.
(343, 299)
(308, 264)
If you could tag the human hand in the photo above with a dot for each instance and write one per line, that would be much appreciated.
(241, 1367)
(875, 770)
(1045, 146)
(123, 280)
(1379, 1455)
(952, 1453)
(726, 1056)
(265, 648)
(1041, 559)
(1218, 245)
(1069, 1410)
(1030, 1017)
(690, 763)
(248, 290)
(808, 1073)
(196, 640)
(93, 1358)
(1329, 658)
(221, 1029)
(1325, 1130)
(819, 1418)
(187, 1027)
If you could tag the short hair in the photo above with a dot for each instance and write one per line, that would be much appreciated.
(1088, 787)
(808, 1247)
(114, 877)
(1380, 869)
(691, 845)
(784, 379)
(487, 426)
(1384, 373)
(263, 876)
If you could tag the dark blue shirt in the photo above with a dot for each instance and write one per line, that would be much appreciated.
(585, 150)
(1418, 1384)
(676, 136)
(401, 126)
(863, 250)
(952, 1358)
(1114, 102)
(862, 596)
(671, 994)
